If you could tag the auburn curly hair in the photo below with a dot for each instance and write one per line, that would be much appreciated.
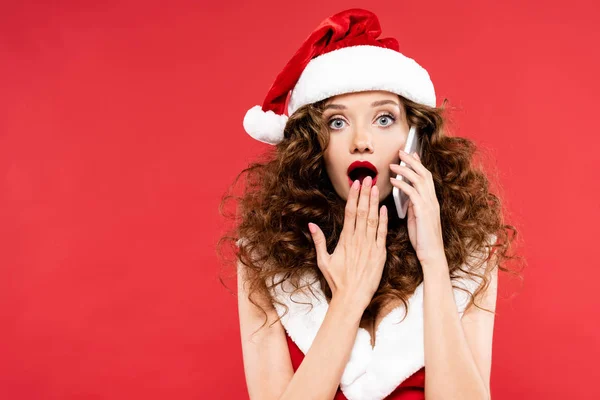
(291, 188)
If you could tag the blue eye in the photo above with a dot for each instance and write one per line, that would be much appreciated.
(340, 122)
(387, 116)
(336, 120)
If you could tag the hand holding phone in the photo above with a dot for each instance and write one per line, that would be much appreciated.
(401, 199)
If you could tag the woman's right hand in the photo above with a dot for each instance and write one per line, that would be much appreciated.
(354, 270)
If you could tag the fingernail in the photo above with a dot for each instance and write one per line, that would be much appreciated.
(355, 184)
(312, 227)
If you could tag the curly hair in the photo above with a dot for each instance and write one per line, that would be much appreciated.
(291, 188)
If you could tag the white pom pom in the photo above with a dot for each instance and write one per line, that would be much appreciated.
(264, 126)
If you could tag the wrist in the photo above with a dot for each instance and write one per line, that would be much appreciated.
(437, 263)
(349, 305)
(435, 270)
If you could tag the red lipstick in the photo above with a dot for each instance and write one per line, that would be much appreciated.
(361, 169)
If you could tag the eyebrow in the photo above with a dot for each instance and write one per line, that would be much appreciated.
(373, 104)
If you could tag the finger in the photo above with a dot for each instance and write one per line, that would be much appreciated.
(414, 163)
(426, 187)
(350, 211)
(382, 228)
(362, 210)
(411, 192)
(428, 183)
(416, 180)
(411, 210)
(320, 244)
(373, 218)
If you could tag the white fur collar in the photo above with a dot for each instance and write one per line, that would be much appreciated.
(399, 352)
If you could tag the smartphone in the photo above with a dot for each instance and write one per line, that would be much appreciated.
(401, 199)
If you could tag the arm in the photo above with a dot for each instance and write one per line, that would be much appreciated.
(267, 364)
(451, 344)
(320, 373)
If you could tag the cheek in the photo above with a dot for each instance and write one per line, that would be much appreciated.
(392, 148)
(329, 163)
(332, 166)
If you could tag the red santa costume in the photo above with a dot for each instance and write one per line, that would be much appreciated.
(344, 55)
(394, 368)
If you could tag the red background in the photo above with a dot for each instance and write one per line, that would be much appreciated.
(121, 127)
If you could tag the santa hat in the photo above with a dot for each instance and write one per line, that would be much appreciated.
(342, 55)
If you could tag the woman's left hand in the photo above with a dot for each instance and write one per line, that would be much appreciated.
(424, 222)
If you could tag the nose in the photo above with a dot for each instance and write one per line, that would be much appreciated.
(362, 141)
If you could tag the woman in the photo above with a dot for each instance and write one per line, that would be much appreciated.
(339, 297)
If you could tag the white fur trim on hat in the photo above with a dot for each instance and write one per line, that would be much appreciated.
(264, 126)
(360, 68)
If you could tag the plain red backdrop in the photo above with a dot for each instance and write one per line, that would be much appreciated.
(121, 128)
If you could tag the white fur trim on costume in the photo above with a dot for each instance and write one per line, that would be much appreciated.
(264, 126)
(360, 68)
(371, 373)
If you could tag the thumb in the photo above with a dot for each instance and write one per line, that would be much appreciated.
(320, 245)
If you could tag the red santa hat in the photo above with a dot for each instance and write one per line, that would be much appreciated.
(342, 55)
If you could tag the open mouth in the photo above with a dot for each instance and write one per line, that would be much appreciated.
(360, 170)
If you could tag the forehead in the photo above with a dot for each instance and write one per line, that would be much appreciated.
(361, 99)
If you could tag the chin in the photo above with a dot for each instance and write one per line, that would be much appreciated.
(385, 192)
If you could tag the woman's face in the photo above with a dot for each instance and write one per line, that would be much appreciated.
(364, 126)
